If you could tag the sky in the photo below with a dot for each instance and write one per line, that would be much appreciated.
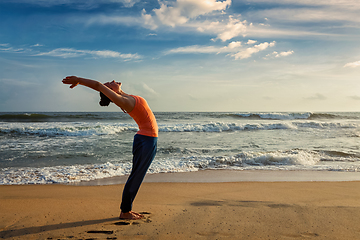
(182, 55)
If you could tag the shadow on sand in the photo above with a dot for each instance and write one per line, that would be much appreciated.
(39, 229)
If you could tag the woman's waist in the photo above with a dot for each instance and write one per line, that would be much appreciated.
(150, 132)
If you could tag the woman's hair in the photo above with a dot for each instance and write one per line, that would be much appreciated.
(104, 100)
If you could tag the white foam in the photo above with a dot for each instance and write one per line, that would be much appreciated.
(223, 127)
(62, 174)
(66, 129)
(326, 125)
(276, 160)
(90, 128)
(278, 116)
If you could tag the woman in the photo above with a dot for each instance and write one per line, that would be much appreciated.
(145, 141)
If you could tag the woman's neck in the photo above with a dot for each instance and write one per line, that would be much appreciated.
(121, 92)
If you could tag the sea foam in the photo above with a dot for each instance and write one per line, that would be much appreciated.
(275, 160)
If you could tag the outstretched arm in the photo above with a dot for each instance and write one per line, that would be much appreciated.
(125, 102)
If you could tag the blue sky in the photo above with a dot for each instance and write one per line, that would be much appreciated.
(182, 55)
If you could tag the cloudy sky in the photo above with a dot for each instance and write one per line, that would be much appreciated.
(182, 55)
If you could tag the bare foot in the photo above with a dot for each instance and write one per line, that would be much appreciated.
(131, 215)
(138, 214)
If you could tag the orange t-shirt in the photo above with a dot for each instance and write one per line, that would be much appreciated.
(144, 118)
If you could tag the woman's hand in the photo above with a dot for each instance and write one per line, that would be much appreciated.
(73, 80)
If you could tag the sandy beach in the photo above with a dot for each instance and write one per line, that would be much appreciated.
(184, 210)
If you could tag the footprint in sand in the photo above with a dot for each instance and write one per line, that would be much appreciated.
(122, 223)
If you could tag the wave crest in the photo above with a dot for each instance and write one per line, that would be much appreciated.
(295, 159)
(86, 129)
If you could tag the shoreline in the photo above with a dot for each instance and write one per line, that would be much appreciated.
(218, 176)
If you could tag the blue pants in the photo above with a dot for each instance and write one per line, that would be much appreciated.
(144, 150)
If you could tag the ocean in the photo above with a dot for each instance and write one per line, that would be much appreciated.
(69, 147)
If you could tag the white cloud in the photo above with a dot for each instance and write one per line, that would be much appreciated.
(225, 29)
(125, 20)
(281, 54)
(5, 47)
(301, 19)
(284, 54)
(70, 52)
(235, 49)
(267, 31)
(182, 10)
(320, 18)
(231, 47)
(63, 52)
(149, 89)
(353, 64)
(252, 50)
(186, 15)
(170, 16)
(232, 29)
(251, 42)
(127, 3)
(113, 54)
(196, 8)
(209, 17)
(310, 15)
(148, 20)
(37, 45)
(194, 49)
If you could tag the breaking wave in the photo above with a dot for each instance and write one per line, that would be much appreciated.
(276, 160)
(86, 129)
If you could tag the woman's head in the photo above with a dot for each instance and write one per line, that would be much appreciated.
(115, 86)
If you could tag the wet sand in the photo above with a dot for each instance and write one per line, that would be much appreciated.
(184, 210)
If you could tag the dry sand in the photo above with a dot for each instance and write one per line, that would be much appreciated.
(239, 210)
